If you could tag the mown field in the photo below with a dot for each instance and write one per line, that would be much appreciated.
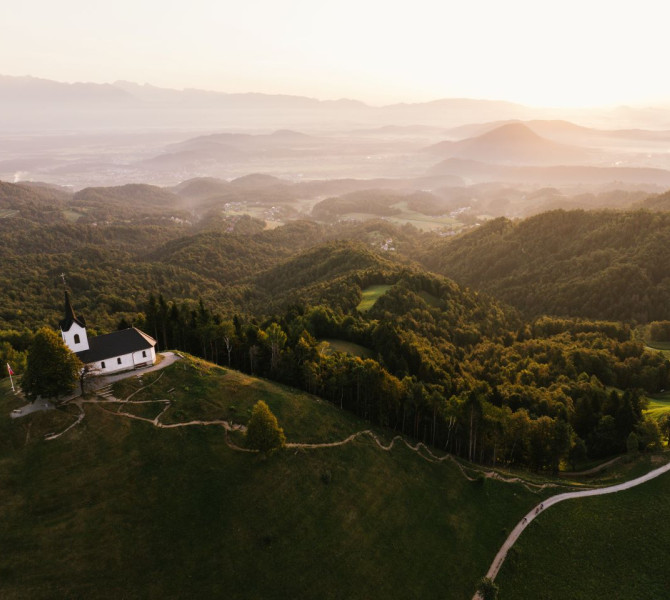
(118, 508)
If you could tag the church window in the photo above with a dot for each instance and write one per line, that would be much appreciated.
(118, 361)
(76, 338)
(102, 364)
(144, 353)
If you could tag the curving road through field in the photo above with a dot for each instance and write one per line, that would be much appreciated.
(518, 530)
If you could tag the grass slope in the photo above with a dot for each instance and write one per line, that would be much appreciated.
(117, 508)
(371, 295)
(330, 345)
(659, 404)
(607, 547)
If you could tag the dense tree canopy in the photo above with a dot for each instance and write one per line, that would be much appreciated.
(444, 364)
(595, 264)
(52, 370)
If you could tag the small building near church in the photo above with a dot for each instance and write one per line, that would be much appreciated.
(118, 351)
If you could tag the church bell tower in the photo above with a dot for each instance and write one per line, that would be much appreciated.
(73, 329)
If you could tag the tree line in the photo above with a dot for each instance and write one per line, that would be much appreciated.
(448, 368)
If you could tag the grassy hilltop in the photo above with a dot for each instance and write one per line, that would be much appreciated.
(117, 508)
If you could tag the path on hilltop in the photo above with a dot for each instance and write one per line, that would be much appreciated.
(104, 396)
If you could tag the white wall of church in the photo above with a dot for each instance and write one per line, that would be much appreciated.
(75, 338)
(125, 362)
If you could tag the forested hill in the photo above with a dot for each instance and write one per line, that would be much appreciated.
(333, 273)
(601, 264)
(409, 350)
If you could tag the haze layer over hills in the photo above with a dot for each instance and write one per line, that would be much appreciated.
(436, 164)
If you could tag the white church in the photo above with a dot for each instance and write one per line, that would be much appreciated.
(118, 351)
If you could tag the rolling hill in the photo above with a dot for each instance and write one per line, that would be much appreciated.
(559, 130)
(478, 172)
(139, 197)
(511, 144)
(592, 264)
(124, 509)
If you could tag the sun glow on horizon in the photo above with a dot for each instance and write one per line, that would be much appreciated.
(568, 54)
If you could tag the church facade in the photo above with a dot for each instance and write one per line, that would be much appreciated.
(118, 351)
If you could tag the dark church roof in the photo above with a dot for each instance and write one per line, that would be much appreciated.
(70, 317)
(114, 344)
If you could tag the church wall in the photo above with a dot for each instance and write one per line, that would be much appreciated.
(127, 362)
(69, 338)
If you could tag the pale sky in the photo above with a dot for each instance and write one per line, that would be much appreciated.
(543, 53)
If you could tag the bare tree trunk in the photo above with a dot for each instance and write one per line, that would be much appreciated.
(450, 428)
(472, 418)
(229, 347)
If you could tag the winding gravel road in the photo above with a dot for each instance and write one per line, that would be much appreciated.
(518, 530)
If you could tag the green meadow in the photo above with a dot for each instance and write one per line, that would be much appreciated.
(371, 295)
(118, 508)
(331, 345)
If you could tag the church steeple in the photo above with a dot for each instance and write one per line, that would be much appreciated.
(70, 317)
(73, 329)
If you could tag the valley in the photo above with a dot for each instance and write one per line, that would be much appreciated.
(455, 309)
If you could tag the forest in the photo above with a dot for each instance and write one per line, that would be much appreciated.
(539, 362)
(595, 264)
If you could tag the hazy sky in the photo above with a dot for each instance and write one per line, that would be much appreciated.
(552, 53)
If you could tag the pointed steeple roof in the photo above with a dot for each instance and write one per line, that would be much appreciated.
(70, 317)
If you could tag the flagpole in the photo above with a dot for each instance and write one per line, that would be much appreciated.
(9, 370)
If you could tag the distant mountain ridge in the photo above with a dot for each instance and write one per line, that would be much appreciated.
(176, 107)
(128, 104)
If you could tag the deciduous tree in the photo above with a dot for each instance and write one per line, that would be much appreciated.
(487, 589)
(263, 431)
(52, 369)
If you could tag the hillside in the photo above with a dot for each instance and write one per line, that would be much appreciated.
(201, 187)
(445, 365)
(478, 171)
(596, 264)
(141, 195)
(659, 202)
(224, 257)
(33, 202)
(330, 274)
(123, 509)
(373, 202)
(560, 130)
(512, 143)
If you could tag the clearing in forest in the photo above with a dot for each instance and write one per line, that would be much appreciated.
(370, 295)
